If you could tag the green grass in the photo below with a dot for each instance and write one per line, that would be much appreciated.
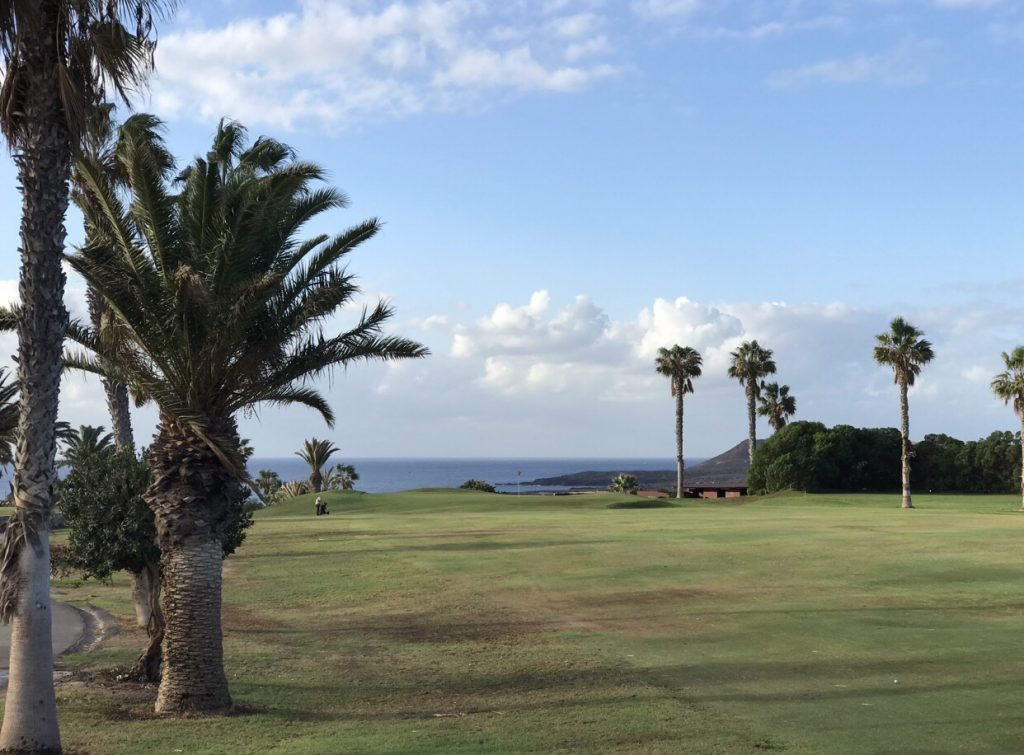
(462, 622)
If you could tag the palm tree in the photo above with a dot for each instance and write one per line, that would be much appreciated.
(903, 349)
(222, 307)
(85, 442)
(680, 365)
(108, 146)
(316, 453)
(341, 477)
(267, 482)
(750, 364)
(59, 56)
(1009, 386)
(777, 405)
(625, 483)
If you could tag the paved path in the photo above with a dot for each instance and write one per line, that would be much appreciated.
(68, 628)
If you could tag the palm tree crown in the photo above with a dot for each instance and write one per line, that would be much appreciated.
(221, 303)
(87, 441)
(750, 363)
(903, 349)
(1009, 384)
(680, 364)
(777, 405)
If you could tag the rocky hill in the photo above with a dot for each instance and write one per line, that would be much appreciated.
(727, 469)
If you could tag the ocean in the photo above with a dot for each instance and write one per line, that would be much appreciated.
(389, 475)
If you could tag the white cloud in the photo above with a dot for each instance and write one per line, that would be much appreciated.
(663, 9)
(904, 65)
(575, 26)
(565, 378)
(332, 63)
(586, 48)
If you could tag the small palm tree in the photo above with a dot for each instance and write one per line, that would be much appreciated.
(777, 405)
(625, 483)
(904, 350)
(85, 442)
(751, 363)
(268, 482)
(316, 453)
(58, 58)
(1009, 386)
(222, 307)
(681, 365)
(341, 477)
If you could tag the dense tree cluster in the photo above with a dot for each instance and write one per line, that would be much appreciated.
(811, 457)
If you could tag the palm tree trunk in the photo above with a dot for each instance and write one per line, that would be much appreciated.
(189, 499)
(905, 445)
(30, 714)
(1022, 461)
(316, 480)
(120, 414)
(679, 444)
(116, 393)
(751, 419)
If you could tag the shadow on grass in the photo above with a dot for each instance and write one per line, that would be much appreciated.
(645, 503)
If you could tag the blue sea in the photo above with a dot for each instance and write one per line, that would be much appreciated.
(390, 475)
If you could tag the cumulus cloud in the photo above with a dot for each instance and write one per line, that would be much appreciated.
(329, 63)
(547, 377)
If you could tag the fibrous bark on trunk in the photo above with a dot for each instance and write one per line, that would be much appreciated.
(905, 445)
(116, 393)
(1022, 462)
(43, 162)
(751, 418)
(680, 468)
(189, 500)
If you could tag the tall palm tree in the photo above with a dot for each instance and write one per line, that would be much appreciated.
(681, 365)
(904, 350)
(1009, 386)
(108, 145)
(59, 57)
(316, 453)
(777, 405)
(751, 363)
(222, 307)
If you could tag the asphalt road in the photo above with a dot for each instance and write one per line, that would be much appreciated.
(68, 628)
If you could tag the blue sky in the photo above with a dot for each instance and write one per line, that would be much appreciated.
(568, 185)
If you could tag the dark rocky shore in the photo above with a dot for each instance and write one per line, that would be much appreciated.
(727, 469)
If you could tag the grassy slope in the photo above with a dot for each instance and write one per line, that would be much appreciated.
(456, 622)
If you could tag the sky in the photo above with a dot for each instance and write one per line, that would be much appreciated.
(568, 185)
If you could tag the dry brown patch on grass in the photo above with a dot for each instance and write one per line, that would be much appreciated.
(658, 596)
(637, 613)
(436, 627)
(239, 618)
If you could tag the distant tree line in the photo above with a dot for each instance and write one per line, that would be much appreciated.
(811, 457)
